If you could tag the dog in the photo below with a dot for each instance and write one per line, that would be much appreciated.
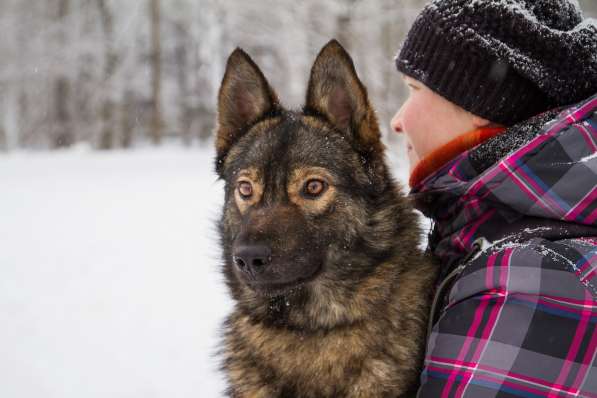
(320, 247)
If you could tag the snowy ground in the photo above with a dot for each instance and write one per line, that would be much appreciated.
(109, 282)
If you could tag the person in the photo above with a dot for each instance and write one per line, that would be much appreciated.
(501, 131)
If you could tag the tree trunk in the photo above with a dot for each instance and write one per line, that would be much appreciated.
(24, 134)
(156, 82)
(3, 138)
(183, 83)
(3, 143)
(107, 134)
(343, 24)
(63, 136)
(126, 121)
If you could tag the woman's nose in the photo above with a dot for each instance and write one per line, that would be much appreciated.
(396, 122)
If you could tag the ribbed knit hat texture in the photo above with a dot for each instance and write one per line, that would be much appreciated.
(504, 60)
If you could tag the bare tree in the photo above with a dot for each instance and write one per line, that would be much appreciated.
(181, 59)
(126, 120)
(156, 72)
(63, 135)
(110, 60)
(343, 23)
(3, 138)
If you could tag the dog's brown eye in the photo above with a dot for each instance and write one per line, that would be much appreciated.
(245, 189)
(314, 188)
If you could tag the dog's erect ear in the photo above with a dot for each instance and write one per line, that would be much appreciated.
(244, 97)
(336, 92)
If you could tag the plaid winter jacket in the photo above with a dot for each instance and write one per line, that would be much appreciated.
(516, 232)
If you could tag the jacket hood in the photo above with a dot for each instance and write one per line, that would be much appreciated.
(538, 178)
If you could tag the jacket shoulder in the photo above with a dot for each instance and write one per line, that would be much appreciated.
(561, 268)
(514, 307)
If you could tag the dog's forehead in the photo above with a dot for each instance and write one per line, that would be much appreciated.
(290, 141)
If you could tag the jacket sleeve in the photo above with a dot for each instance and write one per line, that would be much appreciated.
(520, 322)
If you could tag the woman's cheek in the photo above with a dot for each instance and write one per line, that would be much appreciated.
(413, 159)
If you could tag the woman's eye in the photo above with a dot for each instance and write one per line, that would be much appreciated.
(314, 187)
(245, 189)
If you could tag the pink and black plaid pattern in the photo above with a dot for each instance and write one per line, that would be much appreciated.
(520, 319)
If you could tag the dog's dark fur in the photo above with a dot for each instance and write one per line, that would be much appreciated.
(320, 246)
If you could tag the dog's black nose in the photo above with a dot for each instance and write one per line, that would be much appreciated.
(252, 258)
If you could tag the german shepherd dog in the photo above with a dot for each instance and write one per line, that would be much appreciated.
(320, 247)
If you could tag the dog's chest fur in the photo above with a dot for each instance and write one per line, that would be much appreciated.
(370, 358)
(316, 364)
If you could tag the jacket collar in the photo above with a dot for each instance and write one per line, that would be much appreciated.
(450, 150)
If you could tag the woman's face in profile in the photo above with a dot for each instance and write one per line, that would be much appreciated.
(429, 120)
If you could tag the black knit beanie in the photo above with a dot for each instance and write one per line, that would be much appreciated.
(503, 60)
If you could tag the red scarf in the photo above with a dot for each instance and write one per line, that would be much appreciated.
(442, 155)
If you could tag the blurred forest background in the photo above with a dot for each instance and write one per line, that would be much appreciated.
(125, 73)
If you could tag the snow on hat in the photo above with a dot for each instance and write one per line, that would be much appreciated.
(504, 60)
